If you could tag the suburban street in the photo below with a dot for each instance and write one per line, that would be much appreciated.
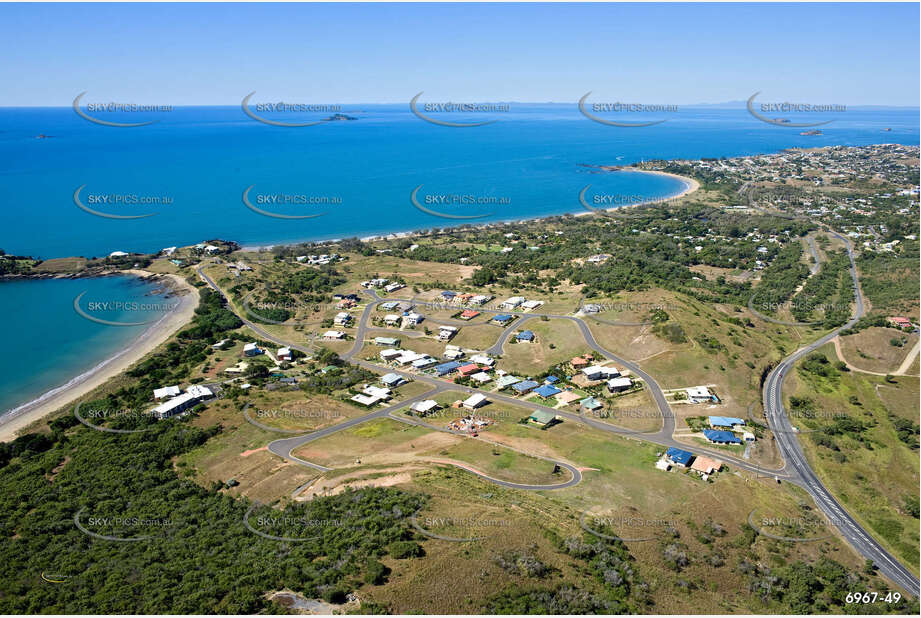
(795, 469)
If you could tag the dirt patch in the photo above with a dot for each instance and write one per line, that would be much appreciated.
(255, 450)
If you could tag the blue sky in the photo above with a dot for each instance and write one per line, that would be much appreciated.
(188, 54)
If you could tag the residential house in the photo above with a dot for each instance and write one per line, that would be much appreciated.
(475, 401)
(724, 421)
(424, 407)
(590, 404)
(468, 314)
(512, 302)
(721, 437)
(251, 349)
(619, 385)
(525, 386)
(546, 391)
(342, 319)
(391, 354)
(698, 394)
(393, 342)
(284, 354)
(446, 368)
(705, 465)
(542, 417)
(679, 457)
(446, 333)
(334, 334)
(166, 391)
(392, 380)
(525, 335)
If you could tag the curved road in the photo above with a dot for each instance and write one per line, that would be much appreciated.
(795, 469)
(793, 454)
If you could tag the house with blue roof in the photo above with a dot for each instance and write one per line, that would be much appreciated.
(551, 380)
(725, 421)
(446, 368)
(547, 390)
(721, 437)
(503, 318)
(448, 295)
(679, 457)
(525, 335)
(525, 387)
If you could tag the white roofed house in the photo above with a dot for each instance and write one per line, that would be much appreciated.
(334, 334)
(166, 391)
(391, 354)
(475, 401)
(342, 319)
(482, 359)
(513, 302)
(424, 407)
(698, 394)
(392, 319)
(414, 318)
(251, 349)
(284, 354)
(445, 333)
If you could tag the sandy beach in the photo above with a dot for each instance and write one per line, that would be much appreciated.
(86, 382)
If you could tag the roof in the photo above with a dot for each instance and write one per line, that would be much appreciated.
(679, 456)
(424, 406)
(502, 317)
(446, 367)
(469, 368)
(706, 465)
(567, 397)
(475, 399)
(166, 391)
(698, 391)
(615, 382)
(525, 334)
(391, 377)
(726, 421)
(523, 387)
(552, 380)
(507, 381)
(542, 416)
(715, 435)
(469, 313)
(591, 403)
(547, 391)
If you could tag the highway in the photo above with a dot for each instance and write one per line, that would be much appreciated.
(795, 469)
(792, 453)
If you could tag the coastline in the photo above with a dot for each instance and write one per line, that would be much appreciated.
(22, 416)
(690, 186)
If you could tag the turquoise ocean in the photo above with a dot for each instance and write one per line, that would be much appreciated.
(191, 168)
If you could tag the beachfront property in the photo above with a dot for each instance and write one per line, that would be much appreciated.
(180, 403)
(699, 394)
(166, 391)
(251, 349)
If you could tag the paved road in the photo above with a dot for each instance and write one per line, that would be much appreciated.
(795, 468)
(792, 453)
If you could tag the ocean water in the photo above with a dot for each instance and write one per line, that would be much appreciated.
(529, 162)
(49, 343)
(198, 162)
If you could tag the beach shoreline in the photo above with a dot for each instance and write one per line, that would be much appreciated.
(17, 419)
(690, 186)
